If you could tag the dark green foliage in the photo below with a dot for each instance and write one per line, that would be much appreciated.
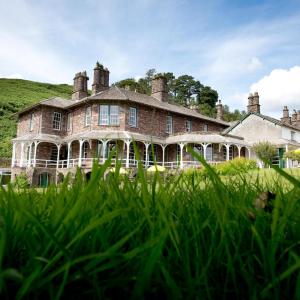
(232, 116)
(16, 94)
(149, 239)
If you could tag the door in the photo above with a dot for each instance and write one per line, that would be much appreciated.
(44, 180)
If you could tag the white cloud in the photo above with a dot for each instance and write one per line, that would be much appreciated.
(281, 87)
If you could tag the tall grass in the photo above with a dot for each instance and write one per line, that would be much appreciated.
(150, 238)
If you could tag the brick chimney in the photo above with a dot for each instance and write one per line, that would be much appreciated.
(159, 88)
(101, 79)
(285, 116)
(253, 103)
(80, 88)
(219, 108)
(294, 117)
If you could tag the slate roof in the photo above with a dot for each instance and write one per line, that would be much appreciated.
(116, 93)
(270, 119)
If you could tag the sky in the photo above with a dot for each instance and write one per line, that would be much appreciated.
(236, 47)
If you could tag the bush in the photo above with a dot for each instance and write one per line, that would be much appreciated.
(236, 166)
(293, 155)
(21, 181)
(265, 151)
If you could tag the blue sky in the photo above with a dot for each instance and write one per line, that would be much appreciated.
(233, 46)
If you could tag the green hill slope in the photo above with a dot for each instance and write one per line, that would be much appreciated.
(15, 94)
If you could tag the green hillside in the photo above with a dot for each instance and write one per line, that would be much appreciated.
(15, 94)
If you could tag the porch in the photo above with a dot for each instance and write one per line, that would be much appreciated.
(83, 153)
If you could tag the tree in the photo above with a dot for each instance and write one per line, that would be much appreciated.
(232, 116)
(185, 89)
(265, 151)
(207, 96)
(129, 82)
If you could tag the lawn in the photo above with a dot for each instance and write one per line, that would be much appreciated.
(174, 238)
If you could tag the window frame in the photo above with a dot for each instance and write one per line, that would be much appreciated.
(169, 124)
(293, 135)
(88, 116)
(131, 110)
(107, 118)
(31, 122)
(54, 121)
(69, 121)
(114, 117)
(205, 127)
(188, 125)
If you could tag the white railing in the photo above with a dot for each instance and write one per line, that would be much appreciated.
(88, 163)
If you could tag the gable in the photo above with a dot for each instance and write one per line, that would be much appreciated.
(254, 128)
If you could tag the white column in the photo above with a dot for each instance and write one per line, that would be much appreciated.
(239, 150)
(22, 155)
(181, 155)
(127, 152)
(34, 153)
(204, 150)
(163, 154)
(249, 150)
(13, 155)
(104, 145)
(287, 160)
(80, 152)
(68, 157)
(29, 155)
(227, 151)
(147, 160)
(58, 151)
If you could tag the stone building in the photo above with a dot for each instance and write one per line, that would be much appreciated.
(56, 136)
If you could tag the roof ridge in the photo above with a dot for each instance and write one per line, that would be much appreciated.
(119, 89)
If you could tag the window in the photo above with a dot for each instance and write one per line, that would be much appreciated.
(188, 126)
(205, 127)
(293, 135)
(132, 117)
(69, 121)
(88, 116)
(31, 122)
(56, 120)
(109, 115)
(169, 128)
(104, 115)
(114, 115)
(85, 150)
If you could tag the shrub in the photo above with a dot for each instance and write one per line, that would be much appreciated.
(236, 166)
(21, 181)
(294, 155)
(265, 151)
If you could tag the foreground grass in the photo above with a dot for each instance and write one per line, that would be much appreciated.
(116, 239)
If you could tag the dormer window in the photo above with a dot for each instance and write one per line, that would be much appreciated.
(56, 124)
(205, 127)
